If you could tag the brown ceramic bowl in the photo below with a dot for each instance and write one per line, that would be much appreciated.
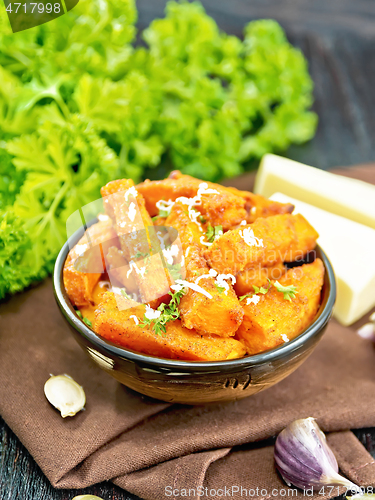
(196, 382)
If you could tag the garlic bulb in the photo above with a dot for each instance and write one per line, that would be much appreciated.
(65, 394)
(367, 331)
(304, 458)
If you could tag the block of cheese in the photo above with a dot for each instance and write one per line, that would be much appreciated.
(351, 248)
(340, 195)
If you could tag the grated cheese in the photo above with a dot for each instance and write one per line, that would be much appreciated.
(211, 274)
(170, 252)
(204, 189)
(284, 337)
(253, 300)
(131, 191)
(207, 243)
(190, 202)
(81, 249)
(132, 211)
(151, 313)
(103, 217)
(180, 284)
(166, 206)
(132, 266)
(220, 281)
(136, 321)
(250, 239)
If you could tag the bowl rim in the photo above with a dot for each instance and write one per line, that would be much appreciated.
(121, 352)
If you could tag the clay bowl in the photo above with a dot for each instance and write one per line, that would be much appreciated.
(196, 382)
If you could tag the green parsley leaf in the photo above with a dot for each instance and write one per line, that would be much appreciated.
(169, 312)
(243, 297)
(289, 292)
(175, 271)
(210, 233)
(262, 290)
(140, 255)
(220, 289)
(79, 314)
(213, 233)
(163, 213)
(257, 290)
(124, 294)
(88, 322)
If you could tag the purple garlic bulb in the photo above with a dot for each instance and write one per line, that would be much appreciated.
(304, 458)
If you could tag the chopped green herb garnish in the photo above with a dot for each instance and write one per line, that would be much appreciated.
(163, 213)
(243, 297)
(79, 314)
(262, 290)
(138, 255)
(220, 289)
(202, 219)
(124, 294)
(175, 271)
(169, 312)
(257, 290)
(288, 291)
(213, 233)
(88, 322)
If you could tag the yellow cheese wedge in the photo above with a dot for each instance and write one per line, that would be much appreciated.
(340, 195)
(350, 247)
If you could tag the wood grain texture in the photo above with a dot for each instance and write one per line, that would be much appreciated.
(338, 39)
(21, 478)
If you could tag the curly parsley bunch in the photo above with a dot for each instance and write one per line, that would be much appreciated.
(81, 105)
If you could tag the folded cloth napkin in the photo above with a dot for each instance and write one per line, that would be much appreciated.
(157, 450)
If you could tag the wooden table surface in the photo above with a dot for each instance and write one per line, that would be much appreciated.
(338, 39)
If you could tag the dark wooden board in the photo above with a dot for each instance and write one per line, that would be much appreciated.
(21, 478)
(338, 39)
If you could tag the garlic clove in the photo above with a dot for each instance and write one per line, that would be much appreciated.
(367, 331)
(87, 497)
(65, 394)
(304, 458)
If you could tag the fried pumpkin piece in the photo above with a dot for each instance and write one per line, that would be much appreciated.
(118, 268)
(211, 309)
(228, 207)
(88, 311)
(133, 221)
(85, 262)
(188, 231)
(259, 206)
(279, 238)
(257, 276)
(219, 205)
(217, 313)
(124, 328)
(273, 320)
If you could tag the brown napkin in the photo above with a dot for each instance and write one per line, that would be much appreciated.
(151, 448)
